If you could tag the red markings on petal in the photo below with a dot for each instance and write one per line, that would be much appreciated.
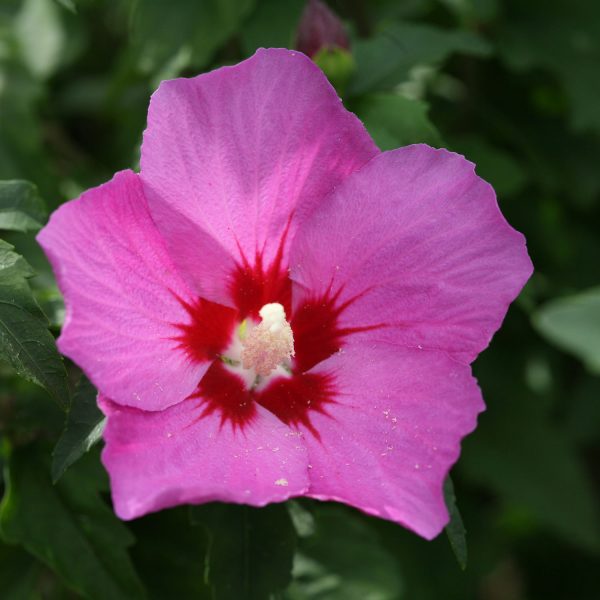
(292, 399)
(255, 285)
(317, 335)
(209, 331)
(317, 332)
(221, 390)
(289, 399)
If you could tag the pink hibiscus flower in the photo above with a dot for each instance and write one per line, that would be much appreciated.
(272, 307)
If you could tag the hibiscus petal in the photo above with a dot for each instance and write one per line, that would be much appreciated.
(123, 296)
(233, 158)
(386, 443)
(417, 246)
(183, 455)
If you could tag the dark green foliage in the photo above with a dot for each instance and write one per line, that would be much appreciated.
(574, 324)
(83, 429)
(68, 526)
(250, 550)
(271, 25)
(25, 342)
(343, 559)
(493, 164)
(561, 37)
(513, 86)
(531, 464)
(455, 530)
(19, 573)
(21, 208)
(185, 34)
(171, 555)
(396, 121)
(386, 60)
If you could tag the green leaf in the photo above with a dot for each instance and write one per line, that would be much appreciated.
(534, 467)
(188, 32)
(583, 421)
(25, 412)
(19, 574)
(563, 38)
(573, 323)
(83, 428)
(455, 530)
(251, 549)
(69, 5)
(41, 36)
(13, 267)
(168, 533)
(494, 165)
(386, 60)
(304, 522)
(396, 121)
(343, 560)
(22, 145)
(25, 342)
(272, 25)
(21, 208)
(43, 285)
(68, 526)
(474, 12)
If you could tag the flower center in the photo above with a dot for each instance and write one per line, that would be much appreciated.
(260, 349)
(270, 343)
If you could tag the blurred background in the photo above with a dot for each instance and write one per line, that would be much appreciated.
(512, 84)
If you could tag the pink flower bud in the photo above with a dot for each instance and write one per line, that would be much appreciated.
(320, 28)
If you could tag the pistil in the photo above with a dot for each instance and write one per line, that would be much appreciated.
(270, 343)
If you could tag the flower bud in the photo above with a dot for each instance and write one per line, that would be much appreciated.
(320, 28)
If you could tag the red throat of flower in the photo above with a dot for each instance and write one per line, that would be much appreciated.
(259, 357)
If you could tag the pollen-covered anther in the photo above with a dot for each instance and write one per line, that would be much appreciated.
(270, 343)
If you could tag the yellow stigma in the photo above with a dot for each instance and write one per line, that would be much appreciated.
(270, 343)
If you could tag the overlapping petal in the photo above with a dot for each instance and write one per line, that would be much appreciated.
(123, 296)
(184, 455)
(415, 245)
(234, 158)
(389, 438)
